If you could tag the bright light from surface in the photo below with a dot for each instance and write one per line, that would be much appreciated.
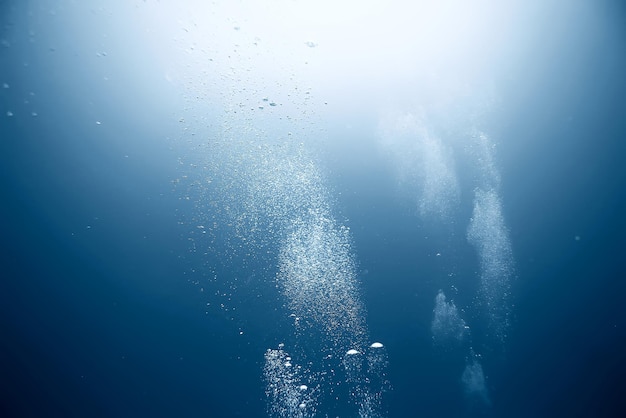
(363, 47)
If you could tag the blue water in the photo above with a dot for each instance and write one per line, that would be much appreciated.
(127, 288)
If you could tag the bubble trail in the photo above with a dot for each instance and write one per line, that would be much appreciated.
(488, 233)
(264, 201)
(317, 277)
(366, 378)
(286, 387)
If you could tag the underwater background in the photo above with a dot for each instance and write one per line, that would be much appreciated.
(297, 209)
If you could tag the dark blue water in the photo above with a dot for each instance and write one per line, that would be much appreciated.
(113, 302)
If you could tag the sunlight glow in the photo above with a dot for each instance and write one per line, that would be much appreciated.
(363, 41)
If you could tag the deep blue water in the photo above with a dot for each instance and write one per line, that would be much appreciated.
(113, 303)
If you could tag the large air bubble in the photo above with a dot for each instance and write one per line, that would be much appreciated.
(366, 376)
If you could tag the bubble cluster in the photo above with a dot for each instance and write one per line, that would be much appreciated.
(424, 165)
(447, 325)
(285, 386)
(285, 184)
(474, 382)
(488, 233)
(317, 276)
